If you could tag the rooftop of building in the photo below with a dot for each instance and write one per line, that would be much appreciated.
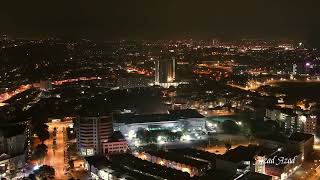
(10, 131)
(300, 137)
(287, 111)
(12, 121)
(282, 154)
(178, 157)
(148, 169)
(93, 110)
(277, 138)
(94, 115)
(102, 163)
(216, 174)
(134, 118)
(98, 161)
(116, 136)
(240, 153)
(266, 151)
(255, 176)
(194, 153)
(186, 113)
(287, 153)
(175, 115)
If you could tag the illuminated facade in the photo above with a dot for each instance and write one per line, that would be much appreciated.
(294, 69)
(128, 128)
(92, 132)
(117, 144)
(294, 124)
(278, 163)
(310, 125)
(14, 148)
(165, 72)
(167, 159)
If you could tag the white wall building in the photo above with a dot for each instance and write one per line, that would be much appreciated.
(92, 132)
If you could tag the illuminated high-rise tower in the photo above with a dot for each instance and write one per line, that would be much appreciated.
(294, 69)
(165, 71)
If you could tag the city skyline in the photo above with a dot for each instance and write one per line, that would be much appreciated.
(172, 89)
(163, 20)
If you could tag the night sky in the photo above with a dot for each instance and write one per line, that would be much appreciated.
(108, 19)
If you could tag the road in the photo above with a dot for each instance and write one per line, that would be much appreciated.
(316, 176)
(7, 95)
(309, 169)
(269, 82)
(55, 156)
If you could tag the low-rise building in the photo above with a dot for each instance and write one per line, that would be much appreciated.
(129, 123)
(237, 161)
(255, 176)
(129, 167)
(176, 161)
(301, 142)
(116, 144)
(282, 164)
(198, 155)
(14, 148)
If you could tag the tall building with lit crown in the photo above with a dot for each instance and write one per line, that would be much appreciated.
(165, 73)
(92, 132)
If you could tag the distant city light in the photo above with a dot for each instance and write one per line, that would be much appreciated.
(186, 138)
(136, 143)
(36, 167)
(131, 134)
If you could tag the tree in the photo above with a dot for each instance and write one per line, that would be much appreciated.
(141, 132)
(71, 164)
(45, 172)
(44, 135)
(143, 135)
(230, 127)
(32, 177)
(72, 149)
(40, 152)
(42, 132)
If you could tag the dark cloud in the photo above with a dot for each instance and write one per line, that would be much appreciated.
(163, 18)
